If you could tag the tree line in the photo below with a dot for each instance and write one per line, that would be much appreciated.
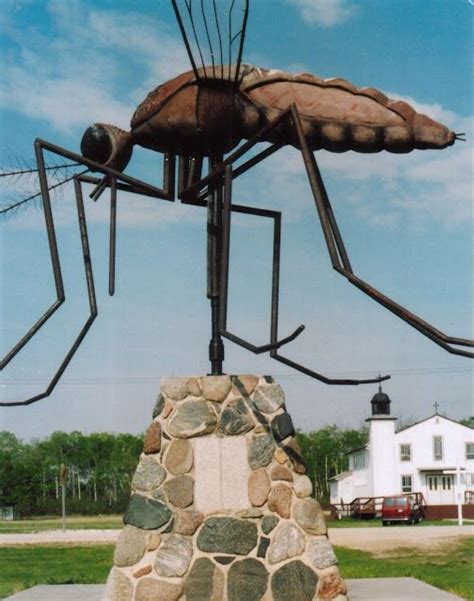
(100, 468)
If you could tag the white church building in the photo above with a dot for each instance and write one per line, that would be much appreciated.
(434, 456)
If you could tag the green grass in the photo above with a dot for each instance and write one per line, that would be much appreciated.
(450, 568)
(351, 523)
(24, 567)
(101, 522)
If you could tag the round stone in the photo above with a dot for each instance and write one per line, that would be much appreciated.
(245, 384)
(143, 571)
(247, 579)
(280, 472)
(282, 426)
(149, 475)
(179, 457)
(194, 388)
(118, 587)
(269, 522)
(192, 418)
(159, 405)
(268, 398)
(150, 589)
(294, 581)
(227, 535)
(293, 450)
(130, 547)
(303, 487)
(205, 582)
(236, 418)
(152, 443)
(174, 556)
(154, 541)
(187, 522)
(146, 514)
(261, 451)
(224, 560)
(280, 455)
(288, 541)
(216, 388)
(259, 487)
(320, 553)
(279, 500)
(180, 491)
(309, 515)
(263, 547)
(175, 388)
(250, 514)
(331, 585)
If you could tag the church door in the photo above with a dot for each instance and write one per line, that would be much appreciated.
(440, 489)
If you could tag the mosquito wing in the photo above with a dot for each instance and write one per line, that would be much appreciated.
(214, 33)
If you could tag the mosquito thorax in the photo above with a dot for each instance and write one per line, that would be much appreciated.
(107, 145)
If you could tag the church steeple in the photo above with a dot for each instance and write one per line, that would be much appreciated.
(380, 403)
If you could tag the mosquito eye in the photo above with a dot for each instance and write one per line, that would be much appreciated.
(96, 144)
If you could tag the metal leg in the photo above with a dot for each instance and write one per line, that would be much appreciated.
(54, 255)
(117, 181)
(92, 302)
(195, 194)
(224, 270)
(340, 260)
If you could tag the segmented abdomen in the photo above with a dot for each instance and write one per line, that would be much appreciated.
(338, 117)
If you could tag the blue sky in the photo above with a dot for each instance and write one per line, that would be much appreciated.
(407, 220)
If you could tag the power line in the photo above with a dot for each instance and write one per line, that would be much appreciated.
(414, 371)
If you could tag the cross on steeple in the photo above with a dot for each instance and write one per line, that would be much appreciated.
(436, 405)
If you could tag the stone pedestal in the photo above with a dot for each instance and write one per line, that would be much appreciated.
(221, 508)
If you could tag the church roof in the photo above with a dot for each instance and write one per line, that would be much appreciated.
(431, 417)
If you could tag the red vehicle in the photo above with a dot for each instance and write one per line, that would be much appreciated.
(402, 508)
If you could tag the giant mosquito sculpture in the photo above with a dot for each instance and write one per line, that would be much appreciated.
(206, 113)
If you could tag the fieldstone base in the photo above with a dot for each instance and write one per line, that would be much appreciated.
(221, 508)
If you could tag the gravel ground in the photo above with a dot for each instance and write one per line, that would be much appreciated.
(382, 540)
(55, 537)
(376, 540)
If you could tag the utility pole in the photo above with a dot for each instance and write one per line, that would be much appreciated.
(63, 472)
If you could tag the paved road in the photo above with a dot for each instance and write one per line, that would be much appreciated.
(366, 539)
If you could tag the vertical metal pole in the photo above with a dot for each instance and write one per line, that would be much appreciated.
(214, 247)
(63, 504)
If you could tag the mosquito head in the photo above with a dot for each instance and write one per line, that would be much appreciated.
(107, 145)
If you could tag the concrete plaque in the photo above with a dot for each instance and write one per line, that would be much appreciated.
(221, 474)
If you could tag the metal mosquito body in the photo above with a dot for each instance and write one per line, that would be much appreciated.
(220, 112)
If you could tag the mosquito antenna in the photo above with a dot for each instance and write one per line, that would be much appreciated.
(188, 4)
(4, 173)
(14, 206)
(242, 40)
(230, 35)
(185, 38)
(211, 49)
(216, 16)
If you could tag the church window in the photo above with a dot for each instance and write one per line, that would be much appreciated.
(469, 450)
(359, 461)
(437, 448)
(405, 452)
(407, 483)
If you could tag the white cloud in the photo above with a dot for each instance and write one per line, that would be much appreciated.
(72, 78)
(325, 13)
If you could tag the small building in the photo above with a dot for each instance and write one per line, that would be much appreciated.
(434, 456)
